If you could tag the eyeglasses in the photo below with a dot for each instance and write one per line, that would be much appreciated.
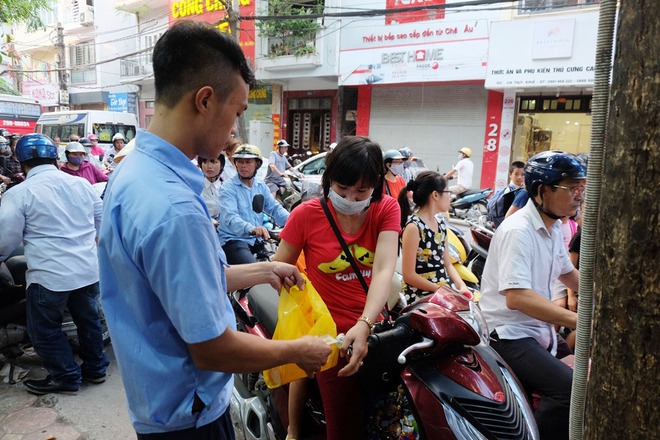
(574, 190)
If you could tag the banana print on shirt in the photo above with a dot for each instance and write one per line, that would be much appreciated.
(341, 263)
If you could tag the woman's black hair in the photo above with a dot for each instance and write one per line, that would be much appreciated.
(422, 187)
(354, 159)
(221, 158)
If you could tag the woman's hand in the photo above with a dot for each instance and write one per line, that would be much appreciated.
(354, 348)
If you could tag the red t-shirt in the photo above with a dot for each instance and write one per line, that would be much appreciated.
(328, 270)
(394, 188)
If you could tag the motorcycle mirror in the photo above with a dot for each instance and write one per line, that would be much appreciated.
(258, 203)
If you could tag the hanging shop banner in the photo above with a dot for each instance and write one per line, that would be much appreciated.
(543, 52)
(403, 48)
(48, 95)
(214, 12)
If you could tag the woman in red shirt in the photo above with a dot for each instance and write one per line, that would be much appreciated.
(369, 224)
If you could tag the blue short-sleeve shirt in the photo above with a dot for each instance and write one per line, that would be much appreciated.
(163, 287)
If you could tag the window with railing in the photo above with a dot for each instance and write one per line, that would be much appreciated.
(544, 6)
(82, 59)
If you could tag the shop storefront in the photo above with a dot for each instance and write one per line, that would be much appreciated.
(310, 120)
(420, 80)
(543, 70)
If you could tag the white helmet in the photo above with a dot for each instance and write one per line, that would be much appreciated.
(118, 137)
(75, 147)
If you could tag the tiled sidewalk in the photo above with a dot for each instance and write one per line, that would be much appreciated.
(96, 412)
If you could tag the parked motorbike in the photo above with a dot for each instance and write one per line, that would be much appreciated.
(471, 205)
(13, 315)
(481, 237)
(434, 376)
(459, 249)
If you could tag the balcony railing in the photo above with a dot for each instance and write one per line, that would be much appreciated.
(137, 66)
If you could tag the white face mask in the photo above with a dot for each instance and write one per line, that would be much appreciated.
(346, 207)
(396, 169)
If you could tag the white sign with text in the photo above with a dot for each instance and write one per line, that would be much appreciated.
(542, 53)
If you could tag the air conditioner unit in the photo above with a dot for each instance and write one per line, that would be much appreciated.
(86, 17)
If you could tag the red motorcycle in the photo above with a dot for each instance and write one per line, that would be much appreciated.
(430, 374)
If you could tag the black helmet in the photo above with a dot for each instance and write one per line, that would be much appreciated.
(550, 167)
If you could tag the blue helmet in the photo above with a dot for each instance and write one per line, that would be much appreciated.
(35, 146)
(549, 167)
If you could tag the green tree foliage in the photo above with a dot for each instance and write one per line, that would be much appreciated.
(23, 11)
(291, 36)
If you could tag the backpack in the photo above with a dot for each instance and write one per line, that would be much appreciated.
(500, 203)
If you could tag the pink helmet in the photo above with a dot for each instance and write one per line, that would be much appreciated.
(92, 137)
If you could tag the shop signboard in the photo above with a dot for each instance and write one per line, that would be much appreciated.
(46, 94)
(380, 50)
(214, 12)
(122, 102)
(543, 52)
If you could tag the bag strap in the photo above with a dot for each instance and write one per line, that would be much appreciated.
(349, 256)
(343, 244)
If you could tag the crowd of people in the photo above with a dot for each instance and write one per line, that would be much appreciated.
(170, 251)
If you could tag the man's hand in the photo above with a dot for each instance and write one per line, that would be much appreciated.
(314, 354)
(284, 274)
(260, 231)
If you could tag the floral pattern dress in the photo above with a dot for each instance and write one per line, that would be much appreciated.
(429, 262)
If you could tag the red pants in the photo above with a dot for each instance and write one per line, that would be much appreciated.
(343, 404)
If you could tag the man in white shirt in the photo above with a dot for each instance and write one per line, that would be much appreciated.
(527, 255)
(57, 217)
(464, 168)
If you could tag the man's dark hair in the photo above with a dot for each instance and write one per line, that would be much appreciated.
(191, 55)
(515, 165)
(355, 158)
(31, 163)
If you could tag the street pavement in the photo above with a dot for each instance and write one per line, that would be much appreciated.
(96, 412)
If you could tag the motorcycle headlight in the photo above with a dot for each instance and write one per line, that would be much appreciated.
(461, 427)
(453, 253)
(476, 319)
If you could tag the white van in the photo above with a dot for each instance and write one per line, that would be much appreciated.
(102, 123)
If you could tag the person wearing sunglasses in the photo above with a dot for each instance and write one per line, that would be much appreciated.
(525, 258)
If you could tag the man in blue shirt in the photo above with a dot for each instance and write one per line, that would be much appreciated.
(240, 226)
(164, 286)
(57, 217)
(277, 165)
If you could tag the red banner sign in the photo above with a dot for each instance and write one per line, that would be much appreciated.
(411, 16)
(214, 12)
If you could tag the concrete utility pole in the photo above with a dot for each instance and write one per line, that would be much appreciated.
(62, 74)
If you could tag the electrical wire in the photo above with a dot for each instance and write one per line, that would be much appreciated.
(357, 13)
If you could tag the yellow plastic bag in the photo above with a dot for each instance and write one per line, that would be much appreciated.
(300, 313)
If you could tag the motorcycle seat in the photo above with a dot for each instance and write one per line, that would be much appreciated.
(17, 267)
(263, 301)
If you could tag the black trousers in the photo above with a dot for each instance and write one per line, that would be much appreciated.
(538, 370)
(220, 429)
